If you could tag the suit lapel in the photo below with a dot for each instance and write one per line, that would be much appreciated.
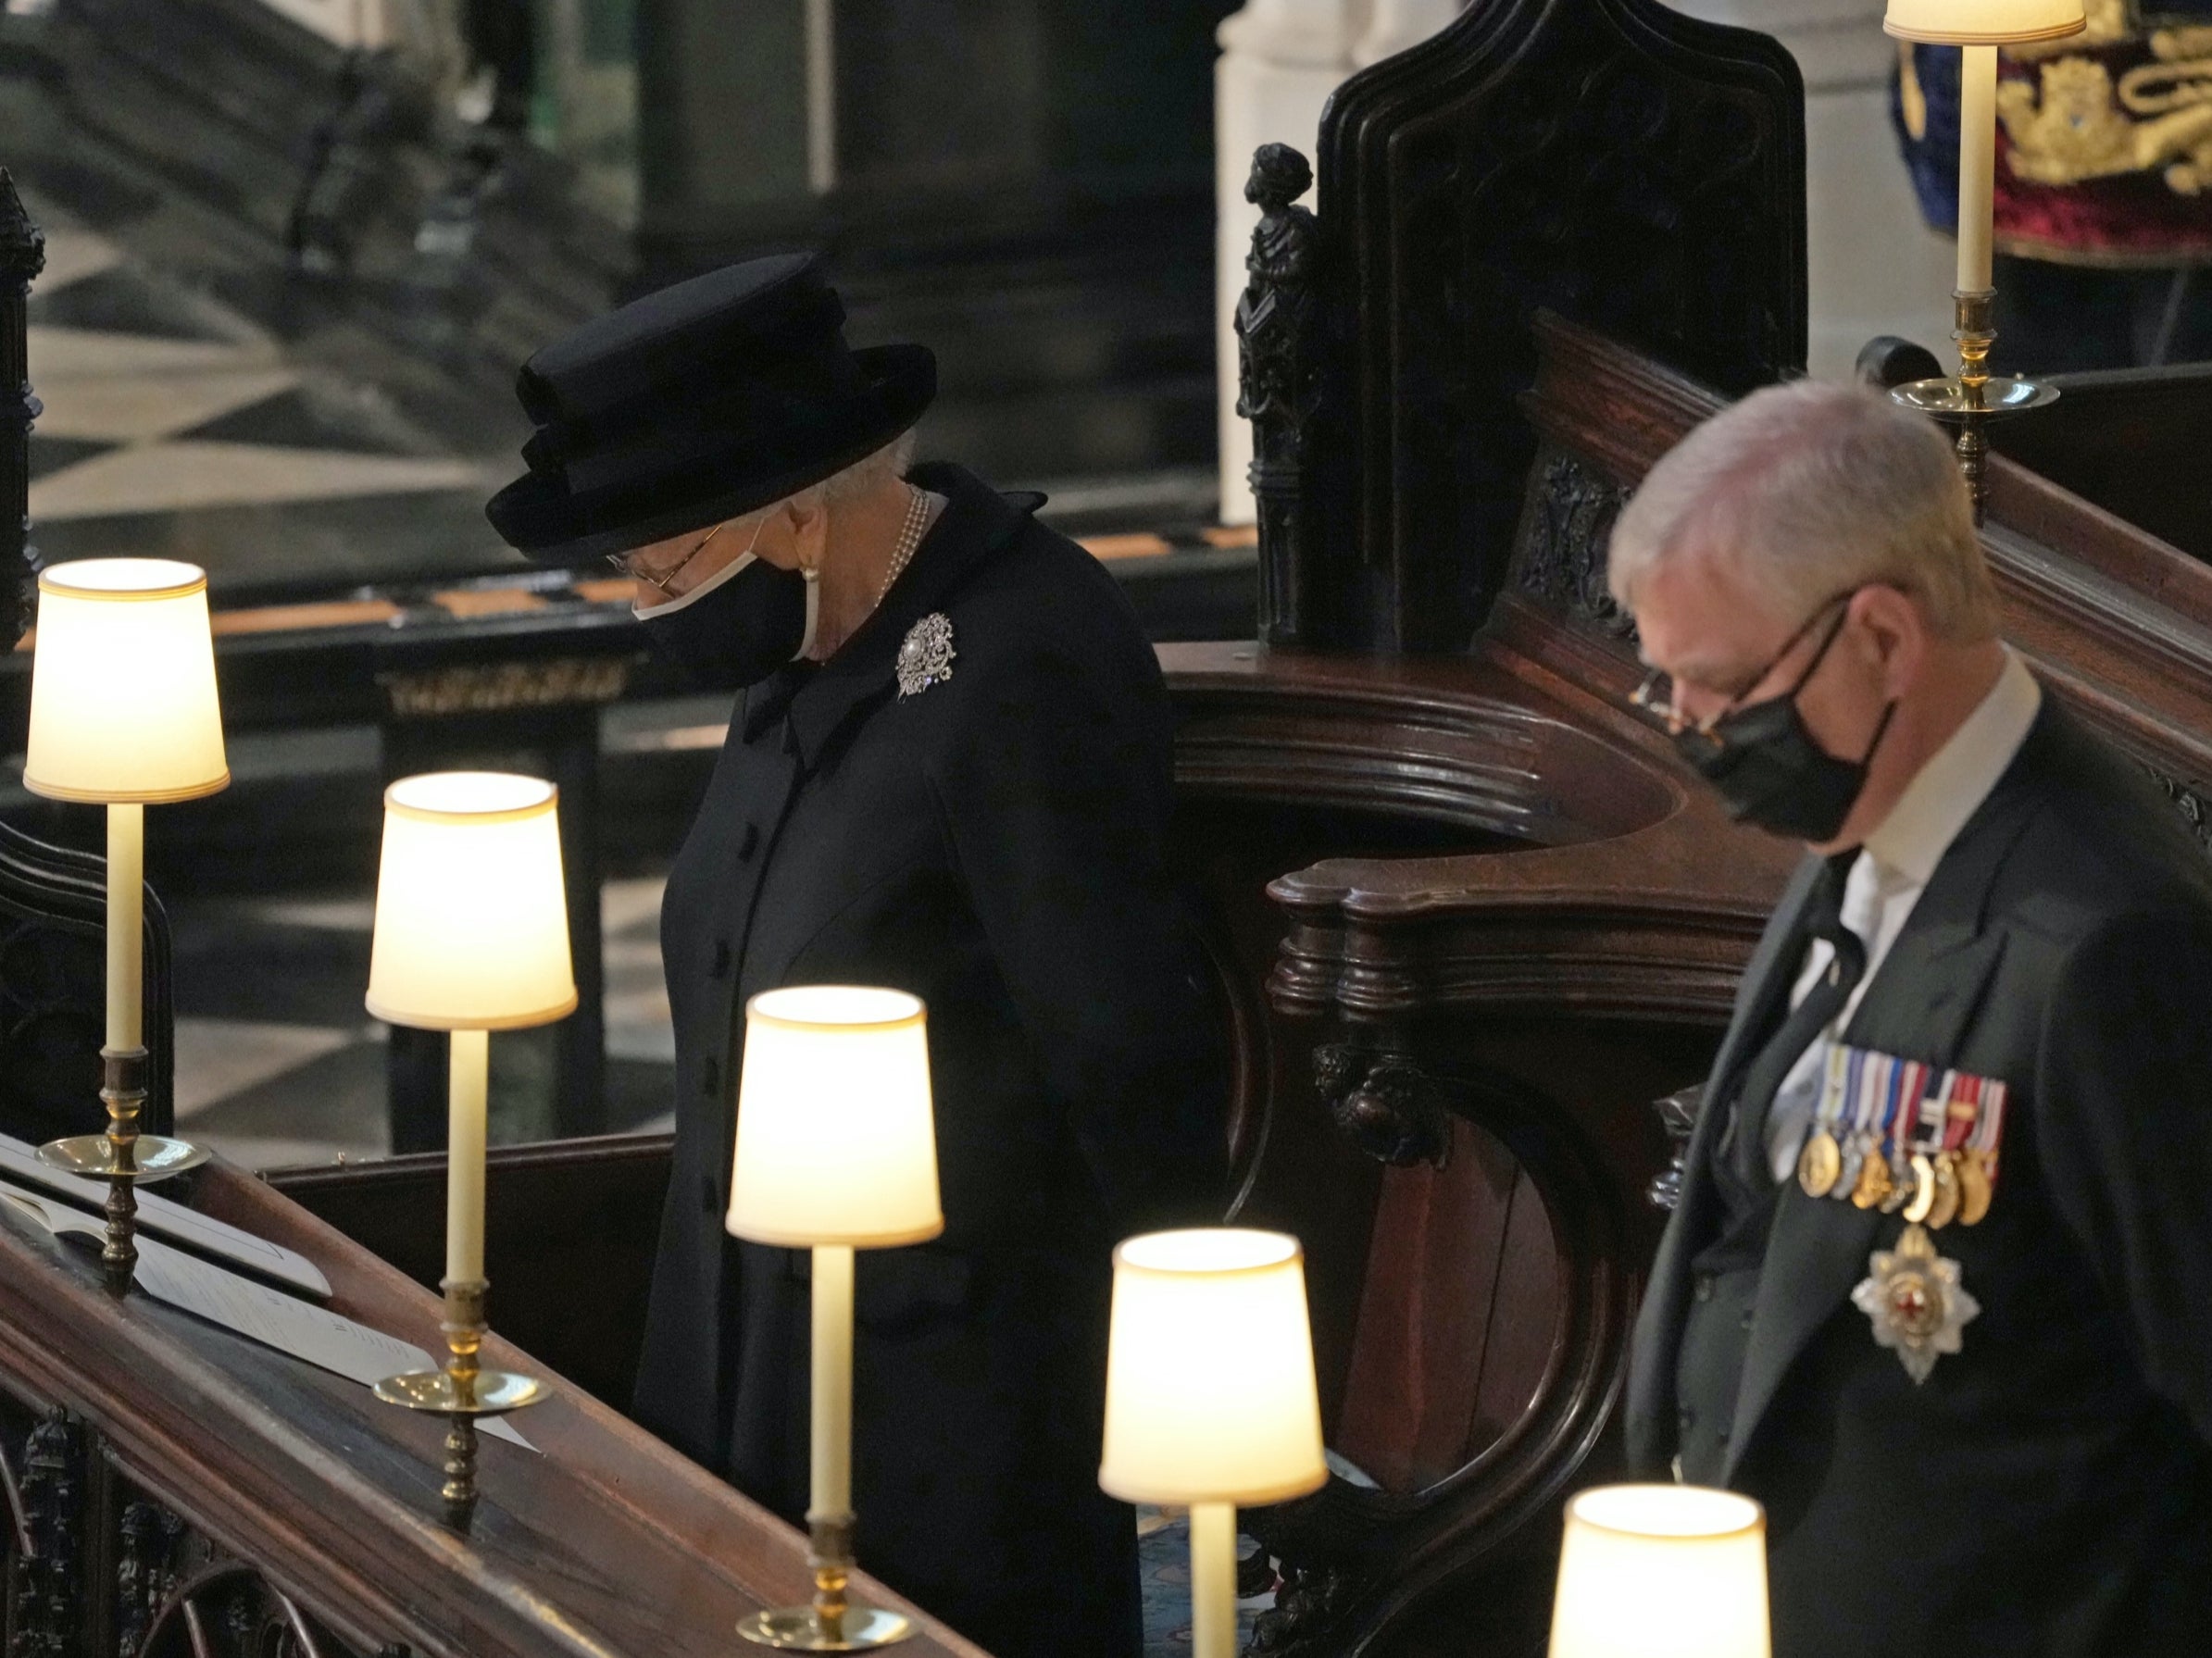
(1767, 980)
(1918, 1006)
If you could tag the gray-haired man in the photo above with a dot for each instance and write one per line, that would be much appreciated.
(1937, 1291)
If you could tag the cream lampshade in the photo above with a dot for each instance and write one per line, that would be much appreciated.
(836, 1144)
(1661, 1571)
(1983, 22)
(1210, 1393)
(471, 917)
(122, 684)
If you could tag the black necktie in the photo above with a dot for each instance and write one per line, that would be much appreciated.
(1823, 919)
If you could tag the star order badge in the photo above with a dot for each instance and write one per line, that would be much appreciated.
(1916, 1301)
(926, 654)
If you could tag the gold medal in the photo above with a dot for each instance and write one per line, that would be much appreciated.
(1904, 1187)
(1922, 1201)
(1944, 1210)
(1819, 1164)
(1974, 1191)
(1873, 1181)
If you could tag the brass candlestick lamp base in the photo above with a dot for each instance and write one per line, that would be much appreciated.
(123, 1158)
(1971, 400)
(832, 1623)
(461, 1392)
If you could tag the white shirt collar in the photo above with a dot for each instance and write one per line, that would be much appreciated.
(1951, 787)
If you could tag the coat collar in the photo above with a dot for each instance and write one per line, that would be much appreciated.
(976, 524)
(1918, 1006)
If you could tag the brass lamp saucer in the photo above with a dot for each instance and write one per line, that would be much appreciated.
(1951, 399)
(487, 1393)
(153, 1157)
(831, 1623)
(803, 1630)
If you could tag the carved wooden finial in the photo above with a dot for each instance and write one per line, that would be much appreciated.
(22, 243)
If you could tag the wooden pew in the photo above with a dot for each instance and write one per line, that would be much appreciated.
(172, 1489)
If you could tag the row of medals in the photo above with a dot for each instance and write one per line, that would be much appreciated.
(1928, 1188)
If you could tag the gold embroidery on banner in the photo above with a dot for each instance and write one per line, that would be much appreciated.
(2109, 24)
(2073, 125)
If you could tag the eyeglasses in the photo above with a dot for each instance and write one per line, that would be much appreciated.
(1654, 695)
(621, 562)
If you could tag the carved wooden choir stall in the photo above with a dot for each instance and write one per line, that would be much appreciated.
(1470, 917)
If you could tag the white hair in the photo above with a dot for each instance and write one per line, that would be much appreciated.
(1808, 491)
(871, 472)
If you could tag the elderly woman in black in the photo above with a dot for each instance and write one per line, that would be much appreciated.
(948, 774)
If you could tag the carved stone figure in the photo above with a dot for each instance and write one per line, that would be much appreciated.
(1279, 377)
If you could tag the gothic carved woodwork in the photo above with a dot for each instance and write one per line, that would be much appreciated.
(22, 257)
(1611, 160)
(1279, 379)
(45, 1560)
(1385, 1104)
(1564, 526)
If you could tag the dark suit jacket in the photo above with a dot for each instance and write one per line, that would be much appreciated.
(2049, 1490)
(994, 845)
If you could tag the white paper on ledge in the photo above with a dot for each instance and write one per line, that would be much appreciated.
(316, 1334)
(20, 1163)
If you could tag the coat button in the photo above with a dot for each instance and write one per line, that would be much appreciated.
(722, 960)
(1748, 1318)
(748, 842)
(1687, 1417)
(1721, 1434)
(1704, 1286)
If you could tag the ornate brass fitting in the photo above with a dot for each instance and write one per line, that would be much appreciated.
(123, 1092)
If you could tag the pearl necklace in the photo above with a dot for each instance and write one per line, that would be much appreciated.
(918, 518)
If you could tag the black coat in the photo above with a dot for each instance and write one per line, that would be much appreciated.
(994, 844)
(2048, 1490)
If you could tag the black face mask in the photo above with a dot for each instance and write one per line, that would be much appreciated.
(737, 630)
(1768, 768)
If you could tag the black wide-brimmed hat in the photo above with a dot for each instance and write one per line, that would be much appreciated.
(698, 403)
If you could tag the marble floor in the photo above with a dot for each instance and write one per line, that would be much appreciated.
(279, 1065)
(179, 426)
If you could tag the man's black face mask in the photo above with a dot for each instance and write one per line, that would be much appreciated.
(1766, 765)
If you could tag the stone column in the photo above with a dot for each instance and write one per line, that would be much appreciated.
(1874, 266)
(1280, 61)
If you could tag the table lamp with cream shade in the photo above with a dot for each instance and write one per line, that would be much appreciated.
(1661, 1571)
(1210, 1395)
(472, 937)
(1978, 28)
(836, 1151)
(123, 714)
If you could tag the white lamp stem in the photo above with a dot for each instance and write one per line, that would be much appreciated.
(1213, 1580)
(832, 1492)
(126, 924)
(1977, 164)
(468, 1082)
